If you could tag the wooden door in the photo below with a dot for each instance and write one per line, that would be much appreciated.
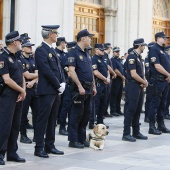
(1, 17)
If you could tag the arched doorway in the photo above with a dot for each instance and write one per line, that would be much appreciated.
(161, 21)
(1, 17)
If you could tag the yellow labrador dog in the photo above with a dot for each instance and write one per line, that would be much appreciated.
(97, 137)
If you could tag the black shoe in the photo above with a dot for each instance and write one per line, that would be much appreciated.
(114, 114)
(41, 154)
(128, 138)
(146, 119)
(164, 129)
(107, 115)
(54, 151)
(25, 139)
(140, 136)
(29, 126)
(167, 117)
(2, 162)
(86, 144)
(120, 113)
(91, 126)
(63, 132)
(76, 145)
(16, 159)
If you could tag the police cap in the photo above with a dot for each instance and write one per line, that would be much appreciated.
(71, 44)
(84, 33)
(51, 28)
(160, 34)
(26, 43)
(13, 36)
(25, 36)
(139, 41)
(61, 39)
(107, 45)
(116, 49)
(99, 46)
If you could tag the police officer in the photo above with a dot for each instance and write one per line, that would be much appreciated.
(148, 90)
(160, 76)
(11, 96)
(50, 86)
(80, 69)
(31, 77)
(102, 77)
(134, 97)
(25, 36)
(108, 49)
(117, 84)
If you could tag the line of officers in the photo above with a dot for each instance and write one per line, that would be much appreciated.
(78, 87)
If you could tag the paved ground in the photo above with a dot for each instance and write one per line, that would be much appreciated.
(153, 154)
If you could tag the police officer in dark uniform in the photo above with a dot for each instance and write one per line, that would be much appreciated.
(160, 76)
(148, 90)
(102, 77)
(12, 93)
(167, 115)
(50, 86)
(117, 84)
(134, 97)
(31, 99)
(80, 69)
(66, 96)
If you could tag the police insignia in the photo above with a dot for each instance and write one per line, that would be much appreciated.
(66, 69)
(70, 59)
(161, 52)
(147, 64)
(50, 55)
(10, 60)
(131, 61)
(81, 57)
(23, 66)
(153, 59)
(58, 55)
(28, 66)
(94, 66)
(1, 64)
(138, 59)
(99, 61)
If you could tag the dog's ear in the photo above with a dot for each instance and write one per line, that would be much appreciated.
(96, 128)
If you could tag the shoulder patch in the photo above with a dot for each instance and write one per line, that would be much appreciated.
(94, 66)
(131, 61)
(1, 64)
(153, 59)
(70, 59)
(147, 64)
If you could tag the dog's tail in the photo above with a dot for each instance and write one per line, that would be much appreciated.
(88, 136)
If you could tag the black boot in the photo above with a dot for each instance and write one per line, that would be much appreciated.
(152, 128)
(25, 139)
(162, 127)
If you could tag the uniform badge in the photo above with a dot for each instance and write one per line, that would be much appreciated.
(147, 64)
(94, 66)
(138, 59)
(81, 57)
(28, 66)
(153, 59)
(58, 55)
(161, 52)
(10, 60)
(99, 61)
(131, 61)
(70, 59)
(66, 69)
(1, 64)
(23, 66)
(50, 55)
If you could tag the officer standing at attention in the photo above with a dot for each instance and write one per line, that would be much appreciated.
(66, 99)
(160, 77)
(80, 69)
(32, 100)
(12, 93)
(50, 86)
(134, 96)
(117, 84)
(102, 77)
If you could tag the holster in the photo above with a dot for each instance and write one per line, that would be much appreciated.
(154, 90)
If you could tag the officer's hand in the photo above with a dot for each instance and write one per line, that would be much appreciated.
(168, 79)
(30, 84)
(107, 81)
(94, 91)
(62, 88)
(123, 78)
(114, 76)
(21, 96)
(81, 90)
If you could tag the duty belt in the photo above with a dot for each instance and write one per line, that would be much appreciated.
(87, 85)
(158, 77)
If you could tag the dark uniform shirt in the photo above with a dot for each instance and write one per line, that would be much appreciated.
(157, 55)
(81, 60)
(12, 65)
(134, 62)
(116, 63)
(147, 68)
(107, 59)
(99, 64)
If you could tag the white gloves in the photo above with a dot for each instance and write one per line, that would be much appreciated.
(62, 88)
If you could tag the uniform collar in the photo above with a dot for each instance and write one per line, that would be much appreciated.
(47, 44)
(77, 47)
(59, 51)
(160, 46)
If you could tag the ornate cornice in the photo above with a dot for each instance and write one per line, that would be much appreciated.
(110, 12)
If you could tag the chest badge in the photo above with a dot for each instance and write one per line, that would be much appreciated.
(58, 55)
(50, 55)
(28, 66)
(10, 60)
(99, 61)
(81, 57)
(1, 64)
(161, 52)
